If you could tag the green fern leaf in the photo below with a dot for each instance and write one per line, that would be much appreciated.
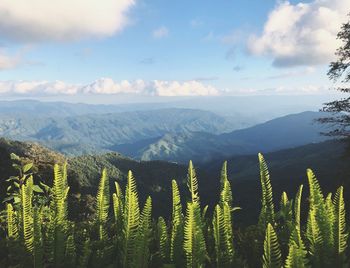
(162, 240)
(272, 253)
(176, 250)
(102, 204)
(297, 206)
(130, 222)
(192, 183)
(341, 235)
(194, 243)
(144, 235)
(267, 214)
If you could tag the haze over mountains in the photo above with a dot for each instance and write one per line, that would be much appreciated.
(156, 133)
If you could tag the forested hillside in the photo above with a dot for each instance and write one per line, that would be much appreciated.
(280, 133)
(123, 233)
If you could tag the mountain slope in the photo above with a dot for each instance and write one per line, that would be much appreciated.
(102, 132)
(281, 133)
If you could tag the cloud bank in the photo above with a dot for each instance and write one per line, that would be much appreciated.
(64, 20)
(301, 34)
(157, 88)
(107, 86)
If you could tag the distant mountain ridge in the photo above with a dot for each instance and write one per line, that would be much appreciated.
(92, 133)
(280, 133)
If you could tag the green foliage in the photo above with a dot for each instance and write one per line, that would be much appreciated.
(131, 222)
(162, 240)
(272, 253)
(39, 230)
(102, 205)
(340, 233)
(144, 236)
(297, 252)
(267, 214)
(194, 243)
(177, 228)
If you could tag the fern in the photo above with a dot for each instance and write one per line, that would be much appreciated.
(27, 213)
(37, 242)
(162, 240)
(297, 205)
(267, 211)
(315, 239)
(59, 222)
(118, 205)
(144, 235)
(83, 260)
(225, 187)
(192, 183)
(222, 238)
(12, 230)
(194, 243)
(297, 255)
(176, 250)
(340, 233)
(130, 222)
(70, 252)
(272, 253)
(102, 205)
(323, 215)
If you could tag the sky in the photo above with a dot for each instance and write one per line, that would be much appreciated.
(133, 48)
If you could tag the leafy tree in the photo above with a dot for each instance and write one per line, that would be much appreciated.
(339, 73)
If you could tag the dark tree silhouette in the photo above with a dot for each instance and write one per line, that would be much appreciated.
(339, 73)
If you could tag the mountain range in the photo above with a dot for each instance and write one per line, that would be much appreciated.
(281, 133)
(171, 134)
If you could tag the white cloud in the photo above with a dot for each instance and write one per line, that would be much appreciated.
(301, 34)
(160, 32)
(107, 86)
(38, 20)
(281, 91)
(188, 88)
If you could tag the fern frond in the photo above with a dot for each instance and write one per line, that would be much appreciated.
(297, 205)
(267, 214)
(162, 240)
(118, 205)
(192, 183)
(323, 217)
(341, 235)
(314, 237)
(194, 243)
(176, 250)
(12, 230)
(222, 237)
(130, 222)
(272, 253)
(27, 213)
(38, 252)
(144, 235)
(297, 255)
(102, 204)
(70, 252)
(59, 224)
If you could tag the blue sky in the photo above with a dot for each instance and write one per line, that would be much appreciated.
(168, 48)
